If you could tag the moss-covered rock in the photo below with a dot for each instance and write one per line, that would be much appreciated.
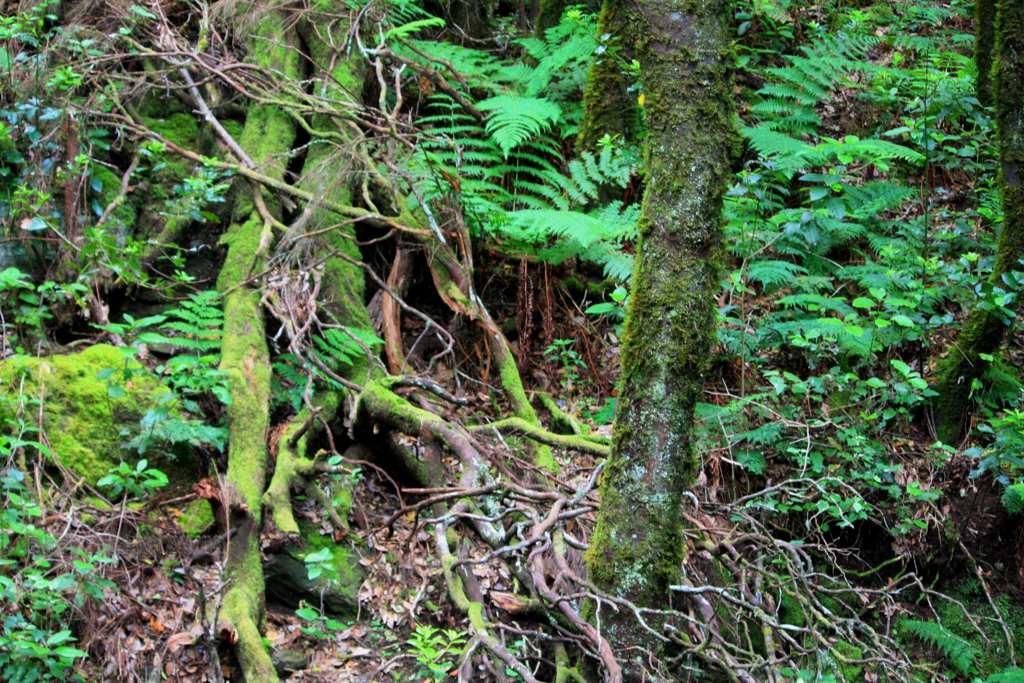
(197, 518)
(82, 422)
(337, 589)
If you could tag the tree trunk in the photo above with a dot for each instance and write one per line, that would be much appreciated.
(984, 37)
(608, 107)
(637, 548)
(245, 359)
(983, 330)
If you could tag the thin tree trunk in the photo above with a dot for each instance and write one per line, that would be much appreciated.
(983, 331)
(637, 548)
(608, 107)
(984, 37)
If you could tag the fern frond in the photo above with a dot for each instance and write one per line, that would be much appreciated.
(960, 653)
(773, 273)
(514, 119)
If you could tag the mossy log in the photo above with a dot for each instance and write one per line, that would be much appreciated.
(637, 547)
(983, 331)
(325, 174)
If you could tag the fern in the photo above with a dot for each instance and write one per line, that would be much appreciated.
(1012, 675)
(342, 348)
(514, 119)
(792, 91)
(960, 653)
(509, 175)
(771, 273)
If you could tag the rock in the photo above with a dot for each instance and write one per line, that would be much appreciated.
(288, 661)
(85, 426)
(288, 581)
(197, 518)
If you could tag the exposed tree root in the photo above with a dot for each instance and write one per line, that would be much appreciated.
(532, 431)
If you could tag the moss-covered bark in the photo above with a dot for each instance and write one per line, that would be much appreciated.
(983, 331)
(245, 359)
(608, 107)
(327, 171)
(637, 547)
(984, 39)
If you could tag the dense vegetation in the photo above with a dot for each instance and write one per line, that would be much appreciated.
(311, 319)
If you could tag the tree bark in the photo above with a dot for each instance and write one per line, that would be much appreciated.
(983, 331)
(637, 548)
(608, 107)
(984, 37)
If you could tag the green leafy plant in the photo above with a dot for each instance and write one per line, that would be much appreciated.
(133, 482)
(316, 624)
(436, 650)
(320, 564)
(570, 362)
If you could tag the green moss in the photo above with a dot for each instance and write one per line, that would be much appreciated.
(110, 185)
(850, 672)
(180, 128)
(197, 518)
(82, 423)
(244, 241)
(984, 39)
(246, 363)
(994, 655)
(328, 173)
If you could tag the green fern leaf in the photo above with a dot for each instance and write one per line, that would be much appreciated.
(960, 653)
(513, 119)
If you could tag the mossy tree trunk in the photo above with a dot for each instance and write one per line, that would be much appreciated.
(984, 37)
(637, 548)
(608, 107)
(267, 138)
(326, 172)
(983, 331)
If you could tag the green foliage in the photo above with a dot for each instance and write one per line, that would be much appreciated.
(570, 362)
(320, 563)
(512, 120)
(512, 181)
(960, 653)
(788, 100)
(38, 592)
(317, 625)
(125, 481)
(436, 650)
(189, 334)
